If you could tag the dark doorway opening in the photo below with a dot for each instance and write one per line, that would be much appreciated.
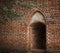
(39, 38)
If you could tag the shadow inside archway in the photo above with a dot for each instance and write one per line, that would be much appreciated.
(39, 37)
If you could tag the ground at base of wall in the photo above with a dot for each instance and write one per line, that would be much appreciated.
(44, 52)
(30, 51)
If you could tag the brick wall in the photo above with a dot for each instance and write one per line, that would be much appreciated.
(14, 16)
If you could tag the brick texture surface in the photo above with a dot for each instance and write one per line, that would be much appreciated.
(14, 20)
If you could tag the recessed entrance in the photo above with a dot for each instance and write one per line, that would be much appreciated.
(37, 32)
(39, 35)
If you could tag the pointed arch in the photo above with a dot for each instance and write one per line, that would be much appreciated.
(37, 20)
(32, 13)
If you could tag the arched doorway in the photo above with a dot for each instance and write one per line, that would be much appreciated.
(37, 32)
(38, 35)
